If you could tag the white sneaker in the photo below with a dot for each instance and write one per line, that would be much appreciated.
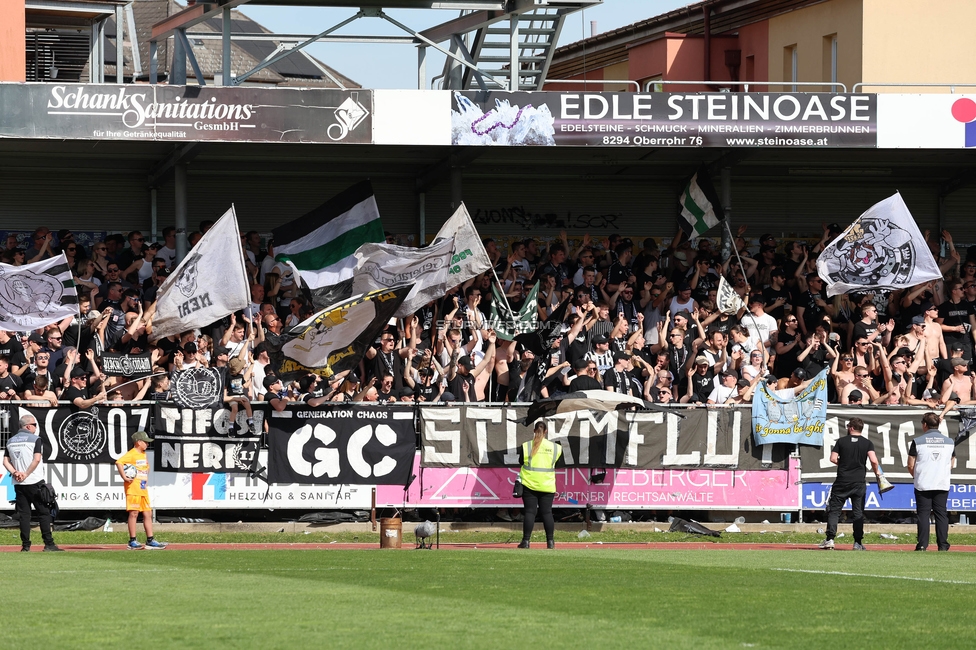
(827, 545)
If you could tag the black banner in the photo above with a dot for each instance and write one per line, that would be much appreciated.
(479, 436)
(133, 366)
(201, 440)
(656, 120)
(341, 444)
(141, 112)
(96, 435)
(892, 430)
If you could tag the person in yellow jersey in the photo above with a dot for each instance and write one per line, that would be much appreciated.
(133, 467)
(538, 458)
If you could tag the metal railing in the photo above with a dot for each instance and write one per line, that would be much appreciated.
(951, 86)
(593, 81)
(745, 84)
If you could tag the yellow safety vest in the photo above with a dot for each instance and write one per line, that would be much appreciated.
(539, 472)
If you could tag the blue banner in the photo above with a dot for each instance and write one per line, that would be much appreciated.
(794, 419)
(962, 497)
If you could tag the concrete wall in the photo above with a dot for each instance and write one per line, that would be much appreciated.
(919, 40)
(13, 56)
(754, 42)
(807, 28)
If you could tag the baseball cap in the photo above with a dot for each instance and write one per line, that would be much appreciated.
(236, 365)
(701, 359)
(743, 383)
(763, 237)
(269, 381)
(959, 362)
(928, 306)
(141, 435)
(600, 338)
(306, 382)
(800, 374)
(36, 338)
(78, 372)
(684, 313)
(957, 347)
(778, 272)
(918, 320)
(620, 356)
(756, 297)
(466, 361)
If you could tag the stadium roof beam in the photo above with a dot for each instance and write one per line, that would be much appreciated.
(543, 19)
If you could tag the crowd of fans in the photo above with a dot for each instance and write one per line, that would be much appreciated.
(639, 321)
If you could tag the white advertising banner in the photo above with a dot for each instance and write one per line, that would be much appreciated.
(931, 121)
(97, 486)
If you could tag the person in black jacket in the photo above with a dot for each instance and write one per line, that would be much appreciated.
(849, 454)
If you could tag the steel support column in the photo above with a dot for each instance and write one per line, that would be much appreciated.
(119, 35)
(513, 61)
(177, 71)
(225, 49)
(728, 243)
(179, 216)
(421, 67)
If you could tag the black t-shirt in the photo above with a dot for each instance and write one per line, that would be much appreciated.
(71, 394)
(954, 315)
(585, 382)
(618, 380)
(853, 454)
(617, 273)
(770, 296)
(702, 385)
(865, 330)
(786, 362)
(812, 312)
(10, 382)
(13, 350)
(462, 387)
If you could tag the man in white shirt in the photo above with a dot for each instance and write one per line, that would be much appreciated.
(758, 323)
(931, 458)
(724, 389)
(168, 252)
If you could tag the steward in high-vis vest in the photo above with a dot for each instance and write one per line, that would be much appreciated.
(538, 483)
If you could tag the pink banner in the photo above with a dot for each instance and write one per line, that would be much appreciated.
(623, 489)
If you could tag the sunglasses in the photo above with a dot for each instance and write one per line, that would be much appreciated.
(847, 358)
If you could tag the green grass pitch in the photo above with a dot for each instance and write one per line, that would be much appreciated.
(489, 599)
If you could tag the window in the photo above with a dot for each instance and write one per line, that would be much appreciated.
(789, 65)
(648, 84)
(830, 60)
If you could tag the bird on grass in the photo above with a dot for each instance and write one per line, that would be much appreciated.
(424, 532)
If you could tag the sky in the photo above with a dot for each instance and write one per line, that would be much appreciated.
(395, 66)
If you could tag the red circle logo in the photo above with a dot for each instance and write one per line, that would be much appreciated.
(964, 110)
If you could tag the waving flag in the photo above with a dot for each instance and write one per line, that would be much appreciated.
(726, 299)
(320, 246)
(336, 338)
(35, 295)
(210, 282)
(883, 249)
(455, 256)
(701, 209)
(508, 325)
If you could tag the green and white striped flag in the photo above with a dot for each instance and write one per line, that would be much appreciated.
(321, 244)
(508, 325)
(38, 294)
(701, 209)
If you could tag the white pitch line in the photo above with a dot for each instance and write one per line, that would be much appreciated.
(872, 575)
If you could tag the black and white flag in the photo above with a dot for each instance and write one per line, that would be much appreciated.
(883, 249)
(726, 299)
(35, 295)
(197, 388)
(210, 282)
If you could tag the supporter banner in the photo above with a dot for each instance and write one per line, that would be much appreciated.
(96, 435)
(89, 486)
(685, 489)
(185, 113)
(341, 445)
(133, 366)
(665, 119)
(194, 440)
(797, 420)
(962, 496)
(197, 388)
(473, 436)
(892, 430)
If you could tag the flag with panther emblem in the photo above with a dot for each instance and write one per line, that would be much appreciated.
(210, 282)
(35, 295)
(882, 250)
